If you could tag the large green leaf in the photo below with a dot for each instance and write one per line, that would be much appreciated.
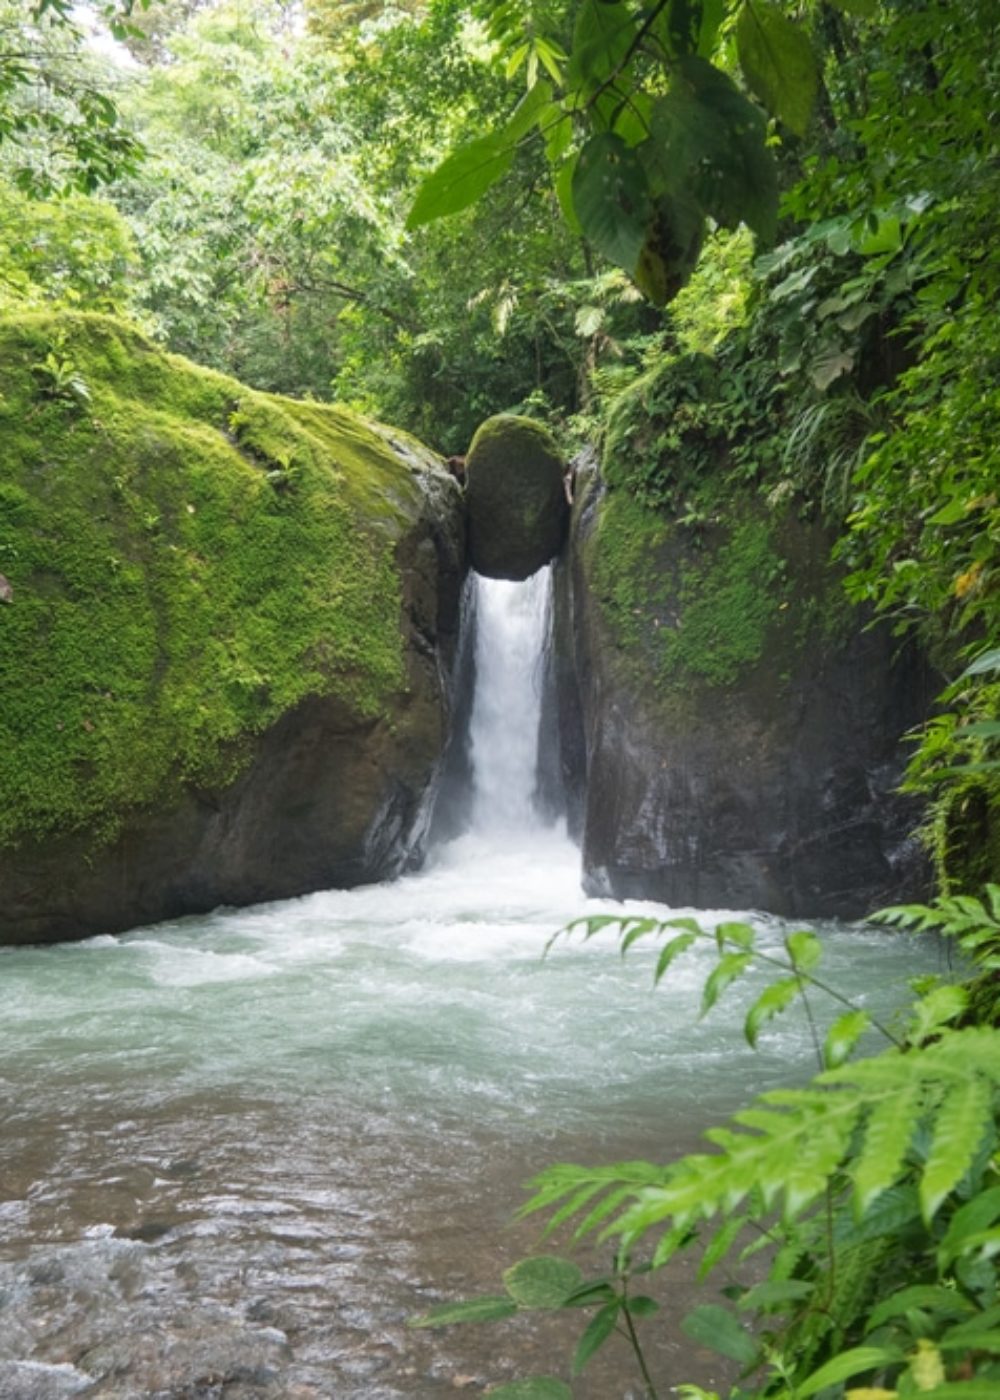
(528, 111)
(778, 63)
(770, 1003)
(710, 141)
(461, 178)
(689, 26)
(671, 249)
(602, 38)
(544, 1281)
(611, 199)
(715, 1327)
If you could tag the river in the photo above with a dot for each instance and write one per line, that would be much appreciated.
(240, 1151)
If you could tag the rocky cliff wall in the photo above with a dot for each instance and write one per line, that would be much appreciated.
(226, 642)
(731, 735)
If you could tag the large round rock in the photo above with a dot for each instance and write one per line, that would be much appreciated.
(516, 499)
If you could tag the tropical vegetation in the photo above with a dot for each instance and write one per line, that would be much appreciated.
(748, 248)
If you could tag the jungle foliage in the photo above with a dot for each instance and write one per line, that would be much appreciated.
(749, 247)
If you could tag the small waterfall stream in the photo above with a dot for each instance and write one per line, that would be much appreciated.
(238, 1151)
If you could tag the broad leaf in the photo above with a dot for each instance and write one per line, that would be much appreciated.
(461, 178)
(778, 63)
(715, 1327)
(544, 1281)
(611, 199)
(709, 141)
(532, 105)
(602, 37)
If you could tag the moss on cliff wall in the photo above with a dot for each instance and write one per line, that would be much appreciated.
(188, 559)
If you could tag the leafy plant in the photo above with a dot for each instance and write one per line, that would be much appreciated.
(61, 379)
(875, 1189)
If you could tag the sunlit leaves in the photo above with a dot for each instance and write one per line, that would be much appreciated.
(461, 178)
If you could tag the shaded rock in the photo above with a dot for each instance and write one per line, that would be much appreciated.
(517, 508)
(748, 760)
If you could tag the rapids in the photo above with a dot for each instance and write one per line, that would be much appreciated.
(239, 1151)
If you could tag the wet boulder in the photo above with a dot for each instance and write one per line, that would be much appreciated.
(517, 505)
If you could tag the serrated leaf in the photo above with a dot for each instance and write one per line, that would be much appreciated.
(937, 1009)
(843, 1036)
(729, 968)
(720, 1244)
(543, 1281)
(597, 1332)
(474, 1310)
(740, 934)
(461, 178)
(887, 1137)
(771, 1002)
(778, 63)
(715, 1327)
(804, 949)
(672, 950)
(959, 1127)
(967, 1222)
(847, 1364)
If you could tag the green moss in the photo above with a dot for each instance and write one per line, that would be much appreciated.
(189, 560)
(708, 604)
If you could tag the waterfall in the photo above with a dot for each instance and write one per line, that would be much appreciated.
(512, 622)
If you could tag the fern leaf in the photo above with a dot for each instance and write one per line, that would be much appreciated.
(959, 1128)
(888, 1134)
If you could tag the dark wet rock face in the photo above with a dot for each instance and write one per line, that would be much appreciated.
(517, 508)
(775, 789)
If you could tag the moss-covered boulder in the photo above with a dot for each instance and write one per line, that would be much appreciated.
(517, 509)
(225, 653)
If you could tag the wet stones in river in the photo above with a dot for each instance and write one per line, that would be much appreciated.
(517, 499)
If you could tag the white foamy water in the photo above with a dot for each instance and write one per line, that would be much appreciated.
(251, 1144)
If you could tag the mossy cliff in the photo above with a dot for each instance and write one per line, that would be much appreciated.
(733, 735)
(224, 658)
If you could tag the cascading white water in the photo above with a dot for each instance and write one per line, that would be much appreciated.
(511, 628)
